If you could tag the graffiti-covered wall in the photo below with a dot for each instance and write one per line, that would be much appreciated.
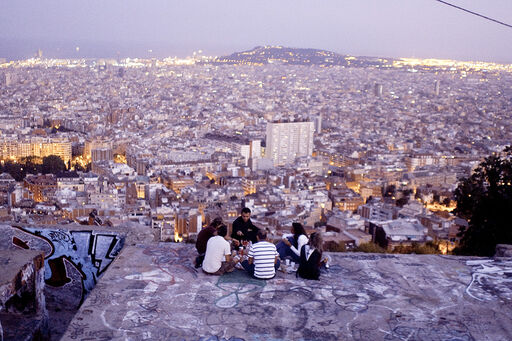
(74, 259)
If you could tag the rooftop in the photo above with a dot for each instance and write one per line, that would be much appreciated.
(152, 291)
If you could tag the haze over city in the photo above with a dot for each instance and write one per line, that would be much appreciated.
(160, 28)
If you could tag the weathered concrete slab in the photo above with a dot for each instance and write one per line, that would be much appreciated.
(153, 292)
(13, 263)
(23, 313)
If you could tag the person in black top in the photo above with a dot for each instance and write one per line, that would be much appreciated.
(311, 257)
(243, 228)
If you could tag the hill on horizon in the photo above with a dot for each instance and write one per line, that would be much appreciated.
(261, 55)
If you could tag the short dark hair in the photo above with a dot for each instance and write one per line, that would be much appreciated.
(246, 210)
(222, 230)
(262, 234)
(216, 222)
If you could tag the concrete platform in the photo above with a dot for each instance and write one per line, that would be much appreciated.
(153, 292)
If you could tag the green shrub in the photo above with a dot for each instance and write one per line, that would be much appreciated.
(369, 247)
(332, 246)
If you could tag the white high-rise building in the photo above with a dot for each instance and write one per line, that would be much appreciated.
(287, 141)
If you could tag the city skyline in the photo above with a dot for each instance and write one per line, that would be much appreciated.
(422, 29)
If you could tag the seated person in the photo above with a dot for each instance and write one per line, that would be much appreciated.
(263, 258)
(311, 257)
(203, 237)
(290, 246)
(217, 259)
(243, 228)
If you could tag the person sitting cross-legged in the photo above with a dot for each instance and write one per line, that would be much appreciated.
(217, 259)
(291, 244)
(202, 239)
(263, 258)
(243, 228)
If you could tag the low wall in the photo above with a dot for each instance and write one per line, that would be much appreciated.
(74, 258)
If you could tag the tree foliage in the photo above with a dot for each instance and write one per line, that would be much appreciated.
(369, 247)
(401, 202)
(485, 200)
(332, 246)
(389, 191)
(32, 165)
(16, 170)
(419, 249)
(53, 164)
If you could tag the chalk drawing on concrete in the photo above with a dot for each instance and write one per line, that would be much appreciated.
(369, 298)
(182, 258)
(219, 338)
(490, 280)
(409, 327)
(234, 284)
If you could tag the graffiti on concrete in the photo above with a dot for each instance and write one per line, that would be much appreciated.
(491, 280)
(73, 256)
(234, 284)
(361, 297)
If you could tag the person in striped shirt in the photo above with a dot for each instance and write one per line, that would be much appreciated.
(263, 258)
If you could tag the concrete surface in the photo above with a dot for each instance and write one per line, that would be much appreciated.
(75, 256)
(23, 314)
(153, 292)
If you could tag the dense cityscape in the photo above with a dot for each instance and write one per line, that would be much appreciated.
(255, 170)
(365, 150)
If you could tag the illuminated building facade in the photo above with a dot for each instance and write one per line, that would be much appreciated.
(101, 154)
(39, 147)
(251, 186)
(96, 143)
(42, 187)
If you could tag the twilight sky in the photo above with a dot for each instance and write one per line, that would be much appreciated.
(386, 28)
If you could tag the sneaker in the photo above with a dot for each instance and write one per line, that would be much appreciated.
(327, 262)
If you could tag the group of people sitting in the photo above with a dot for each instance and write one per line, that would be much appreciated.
(218, 251)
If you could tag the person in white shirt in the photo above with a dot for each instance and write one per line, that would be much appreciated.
(291, 244)
(217, 259)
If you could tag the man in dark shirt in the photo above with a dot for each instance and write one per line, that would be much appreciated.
(202, 239)
(243, 228)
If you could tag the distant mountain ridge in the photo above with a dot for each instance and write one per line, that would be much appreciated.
(261, 55)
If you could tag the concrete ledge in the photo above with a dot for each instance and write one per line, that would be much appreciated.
(23, 313)
(503, 250)
(154, 292)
